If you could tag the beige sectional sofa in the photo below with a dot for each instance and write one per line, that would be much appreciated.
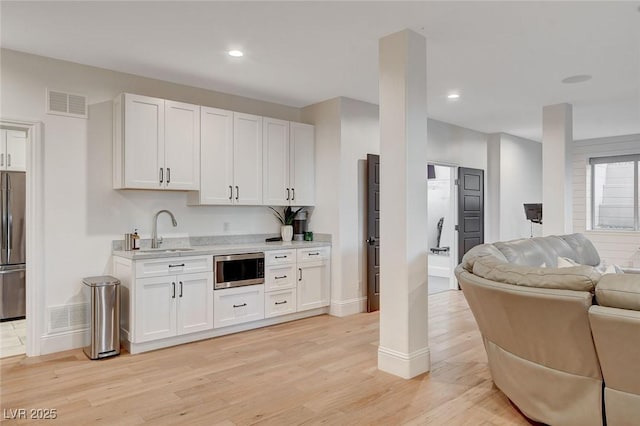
(562, 343)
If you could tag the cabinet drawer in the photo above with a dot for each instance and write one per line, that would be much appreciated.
(312, 254)
(238, 305)
(279, 303)
(279, 277)
(280, 257)
(173, 266)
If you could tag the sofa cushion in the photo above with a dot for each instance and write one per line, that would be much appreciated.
(535, 251)
(619, 291)
(578, 278)
(477, 252)
(585, 252)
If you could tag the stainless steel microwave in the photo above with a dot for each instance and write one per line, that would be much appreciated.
(238, 270)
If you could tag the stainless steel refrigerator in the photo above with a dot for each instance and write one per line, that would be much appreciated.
(12, 247)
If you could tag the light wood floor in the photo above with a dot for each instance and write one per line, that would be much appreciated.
(312, 371)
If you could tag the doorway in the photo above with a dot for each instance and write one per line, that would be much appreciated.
(441, 219)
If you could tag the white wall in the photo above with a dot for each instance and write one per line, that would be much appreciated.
(621, 248)
(346, 131)
(455, 145)
(520, 182)
(82, 213)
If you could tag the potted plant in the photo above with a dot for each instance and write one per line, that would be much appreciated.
(286, 219)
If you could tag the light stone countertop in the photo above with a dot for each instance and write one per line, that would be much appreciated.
(217, 249)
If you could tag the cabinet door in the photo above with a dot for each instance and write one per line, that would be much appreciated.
(14, 158)
(275, 143)
(247, 159)
(302, 165)
(238, 305)
(277, 277)
(313, 285)
(144, 142)
(195, 302)
(155, 308)
(216, 156)
(182, 145)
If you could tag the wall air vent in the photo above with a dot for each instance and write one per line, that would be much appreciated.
(68, 317)
(67, 104)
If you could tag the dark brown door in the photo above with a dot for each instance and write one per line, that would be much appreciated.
(373, 232)
(470, 209)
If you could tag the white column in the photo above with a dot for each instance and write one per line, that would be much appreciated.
(403, 349)
(557, 181)
(493, 188)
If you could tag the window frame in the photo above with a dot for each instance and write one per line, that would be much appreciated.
(635, 158)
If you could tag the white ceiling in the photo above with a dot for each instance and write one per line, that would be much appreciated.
(506, 59)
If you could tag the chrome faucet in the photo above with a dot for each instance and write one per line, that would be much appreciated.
(155, 241)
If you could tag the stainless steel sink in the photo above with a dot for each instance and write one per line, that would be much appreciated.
(166, 250)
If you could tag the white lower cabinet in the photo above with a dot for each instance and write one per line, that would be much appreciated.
(172, 305)
(238, 305)
(279, 302)
(313, 285)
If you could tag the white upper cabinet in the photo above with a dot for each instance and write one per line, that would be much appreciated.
(289, 163)
(231, 158)
(216, 158)
(182, 145)
(302, 165)
(275, 142)
(247, 159)
(156, 143)
(13, 146)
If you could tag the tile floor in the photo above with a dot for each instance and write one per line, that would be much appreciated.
(13, 335)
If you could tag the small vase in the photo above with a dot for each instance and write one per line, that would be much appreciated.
(286, 231)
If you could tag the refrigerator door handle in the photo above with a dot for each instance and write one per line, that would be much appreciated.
(10, 218)
(3, 204)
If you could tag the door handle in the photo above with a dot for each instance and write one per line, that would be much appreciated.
(180, 288)
(9, 219)
(287, 194)
(230, 192)
(300, 274)
(161, 175)
(293, 191)
(168, 175)
(372, 241)
(173, 286)
(237, 192)
(9, 160)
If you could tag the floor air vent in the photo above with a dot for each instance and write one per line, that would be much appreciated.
(67, 104)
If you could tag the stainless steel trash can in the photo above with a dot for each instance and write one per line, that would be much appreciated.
(103, 293)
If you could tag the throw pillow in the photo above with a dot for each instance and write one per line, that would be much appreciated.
(565, 262)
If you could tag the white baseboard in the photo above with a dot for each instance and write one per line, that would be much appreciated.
(402, 364)
(343, 308)
(59, 342)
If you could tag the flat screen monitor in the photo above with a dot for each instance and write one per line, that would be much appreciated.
(533, 212)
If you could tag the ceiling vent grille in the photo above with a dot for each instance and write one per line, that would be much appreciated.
(67, 104)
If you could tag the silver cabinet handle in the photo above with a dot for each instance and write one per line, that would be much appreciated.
(293, 191)
(287, 194)
(279, 278)
(300, 272)
(1, 159)
(237, 192)
(9, 160)
(161, 174)
(180, 288)
(173, 285)
(230, 192)
(168, 176)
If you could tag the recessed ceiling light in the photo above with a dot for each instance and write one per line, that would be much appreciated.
(236, 53)
(453, 96)
(576, 79)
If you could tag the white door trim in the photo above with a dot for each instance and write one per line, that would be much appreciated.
(34, 229)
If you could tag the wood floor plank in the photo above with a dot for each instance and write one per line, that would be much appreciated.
(320, 370)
